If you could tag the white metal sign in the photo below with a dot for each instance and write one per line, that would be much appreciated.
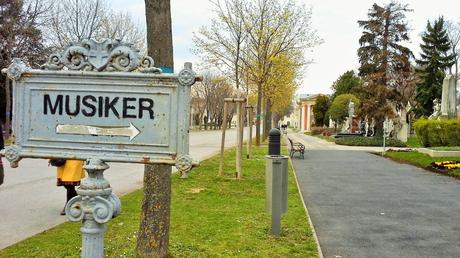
(87, 105)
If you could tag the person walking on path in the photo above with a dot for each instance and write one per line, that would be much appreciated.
(69, 174)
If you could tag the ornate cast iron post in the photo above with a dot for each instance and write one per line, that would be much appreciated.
(95, 205)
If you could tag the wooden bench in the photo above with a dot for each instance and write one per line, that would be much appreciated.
(296, 147)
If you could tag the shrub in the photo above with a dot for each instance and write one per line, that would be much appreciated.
(322, 131)
(433, 133)
(368, 141)
(328, 131)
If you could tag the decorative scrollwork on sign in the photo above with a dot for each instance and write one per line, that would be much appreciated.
(184, 163)
(186, 77)
(108, 55)
(16, 69)
(12, 153)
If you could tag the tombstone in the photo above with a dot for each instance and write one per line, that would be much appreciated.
(448, 100)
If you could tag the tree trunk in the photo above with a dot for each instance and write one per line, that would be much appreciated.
(258, 110)
(267, 119)
(159, 37)
(153, 237)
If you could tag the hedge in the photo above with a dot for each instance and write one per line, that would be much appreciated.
(368, 141)
(322, 130)
(433, 133)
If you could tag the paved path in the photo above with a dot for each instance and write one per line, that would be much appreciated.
(363, 205)
(30, 202)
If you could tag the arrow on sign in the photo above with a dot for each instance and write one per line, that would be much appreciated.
(131, 131)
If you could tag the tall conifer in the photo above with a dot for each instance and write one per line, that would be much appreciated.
(433, 62)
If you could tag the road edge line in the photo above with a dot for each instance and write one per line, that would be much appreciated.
(320, 252)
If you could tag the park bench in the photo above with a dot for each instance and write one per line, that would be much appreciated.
(296, 147)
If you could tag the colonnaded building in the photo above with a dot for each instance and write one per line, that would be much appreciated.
(302, 117)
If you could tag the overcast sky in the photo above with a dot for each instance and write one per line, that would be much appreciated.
(334, 20)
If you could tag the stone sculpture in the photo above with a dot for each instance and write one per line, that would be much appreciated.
(436, 110)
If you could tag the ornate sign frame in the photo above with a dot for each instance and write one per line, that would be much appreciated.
(101, 100)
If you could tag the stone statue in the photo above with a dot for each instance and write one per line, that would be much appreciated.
(362, 127)
(351, 109)
(436, 109)
(370, 128)
(366, 128)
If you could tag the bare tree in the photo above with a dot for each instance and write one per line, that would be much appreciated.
(20, 37)
(74, 20)
(249, 35)
(119, 25)
(221, 43)
(198, 105)
(212, 91)
(274, 28)
(453, 32)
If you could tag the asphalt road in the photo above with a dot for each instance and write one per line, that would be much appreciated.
(363, 205)
(30, 201)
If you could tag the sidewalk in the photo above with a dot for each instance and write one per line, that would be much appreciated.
(363, 205)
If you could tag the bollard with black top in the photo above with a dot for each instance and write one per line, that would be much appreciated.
(276, 179)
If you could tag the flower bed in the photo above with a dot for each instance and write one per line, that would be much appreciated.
(446, 164)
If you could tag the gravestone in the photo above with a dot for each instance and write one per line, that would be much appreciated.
(448, 100)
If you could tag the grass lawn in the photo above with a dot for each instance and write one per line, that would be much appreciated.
(446, 148)
(211, 216)
(422, 160)
(327, 138)
(413, 142)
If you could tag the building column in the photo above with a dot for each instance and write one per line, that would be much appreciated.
(301, 120)
(308, 127)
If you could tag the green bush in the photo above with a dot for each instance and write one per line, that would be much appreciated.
(433, 133)
(368, 141)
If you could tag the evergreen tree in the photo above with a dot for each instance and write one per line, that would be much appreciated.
(381, 53)
(433, 62)
(384, 59)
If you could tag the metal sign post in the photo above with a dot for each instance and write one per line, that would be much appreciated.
(100, 102)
